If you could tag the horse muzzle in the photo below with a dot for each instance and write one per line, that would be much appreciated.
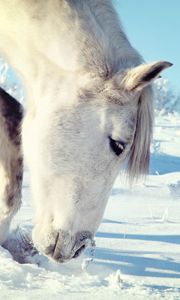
(65, 246)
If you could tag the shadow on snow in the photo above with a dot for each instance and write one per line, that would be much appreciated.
(163, 163)
(174, 239)
(135, 263)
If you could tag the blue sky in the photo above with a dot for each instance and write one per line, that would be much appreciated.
(153, 28)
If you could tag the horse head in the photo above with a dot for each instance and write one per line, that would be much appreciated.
(78, 149)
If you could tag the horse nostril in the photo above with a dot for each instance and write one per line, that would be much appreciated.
(83, 240)
(79, 251)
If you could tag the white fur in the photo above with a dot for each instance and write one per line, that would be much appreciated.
(71, 57)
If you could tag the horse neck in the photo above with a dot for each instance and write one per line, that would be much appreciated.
(76, 36)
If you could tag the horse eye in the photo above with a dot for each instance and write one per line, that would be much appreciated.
(117, 146)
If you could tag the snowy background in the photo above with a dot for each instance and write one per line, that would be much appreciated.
(137, 253)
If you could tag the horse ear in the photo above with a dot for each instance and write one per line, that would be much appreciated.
(139, 77)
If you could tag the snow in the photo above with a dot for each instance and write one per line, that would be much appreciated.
(137, 253)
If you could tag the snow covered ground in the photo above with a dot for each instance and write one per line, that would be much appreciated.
(137, 253)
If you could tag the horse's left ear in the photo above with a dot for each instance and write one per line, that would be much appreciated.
(139, 77)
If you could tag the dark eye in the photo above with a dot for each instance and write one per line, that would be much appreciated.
(117, 146)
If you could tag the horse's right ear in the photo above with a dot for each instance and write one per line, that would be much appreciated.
(139, 77)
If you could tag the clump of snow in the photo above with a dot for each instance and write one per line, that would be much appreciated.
(114, 280)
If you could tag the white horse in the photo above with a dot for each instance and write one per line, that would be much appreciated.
(88, 108)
